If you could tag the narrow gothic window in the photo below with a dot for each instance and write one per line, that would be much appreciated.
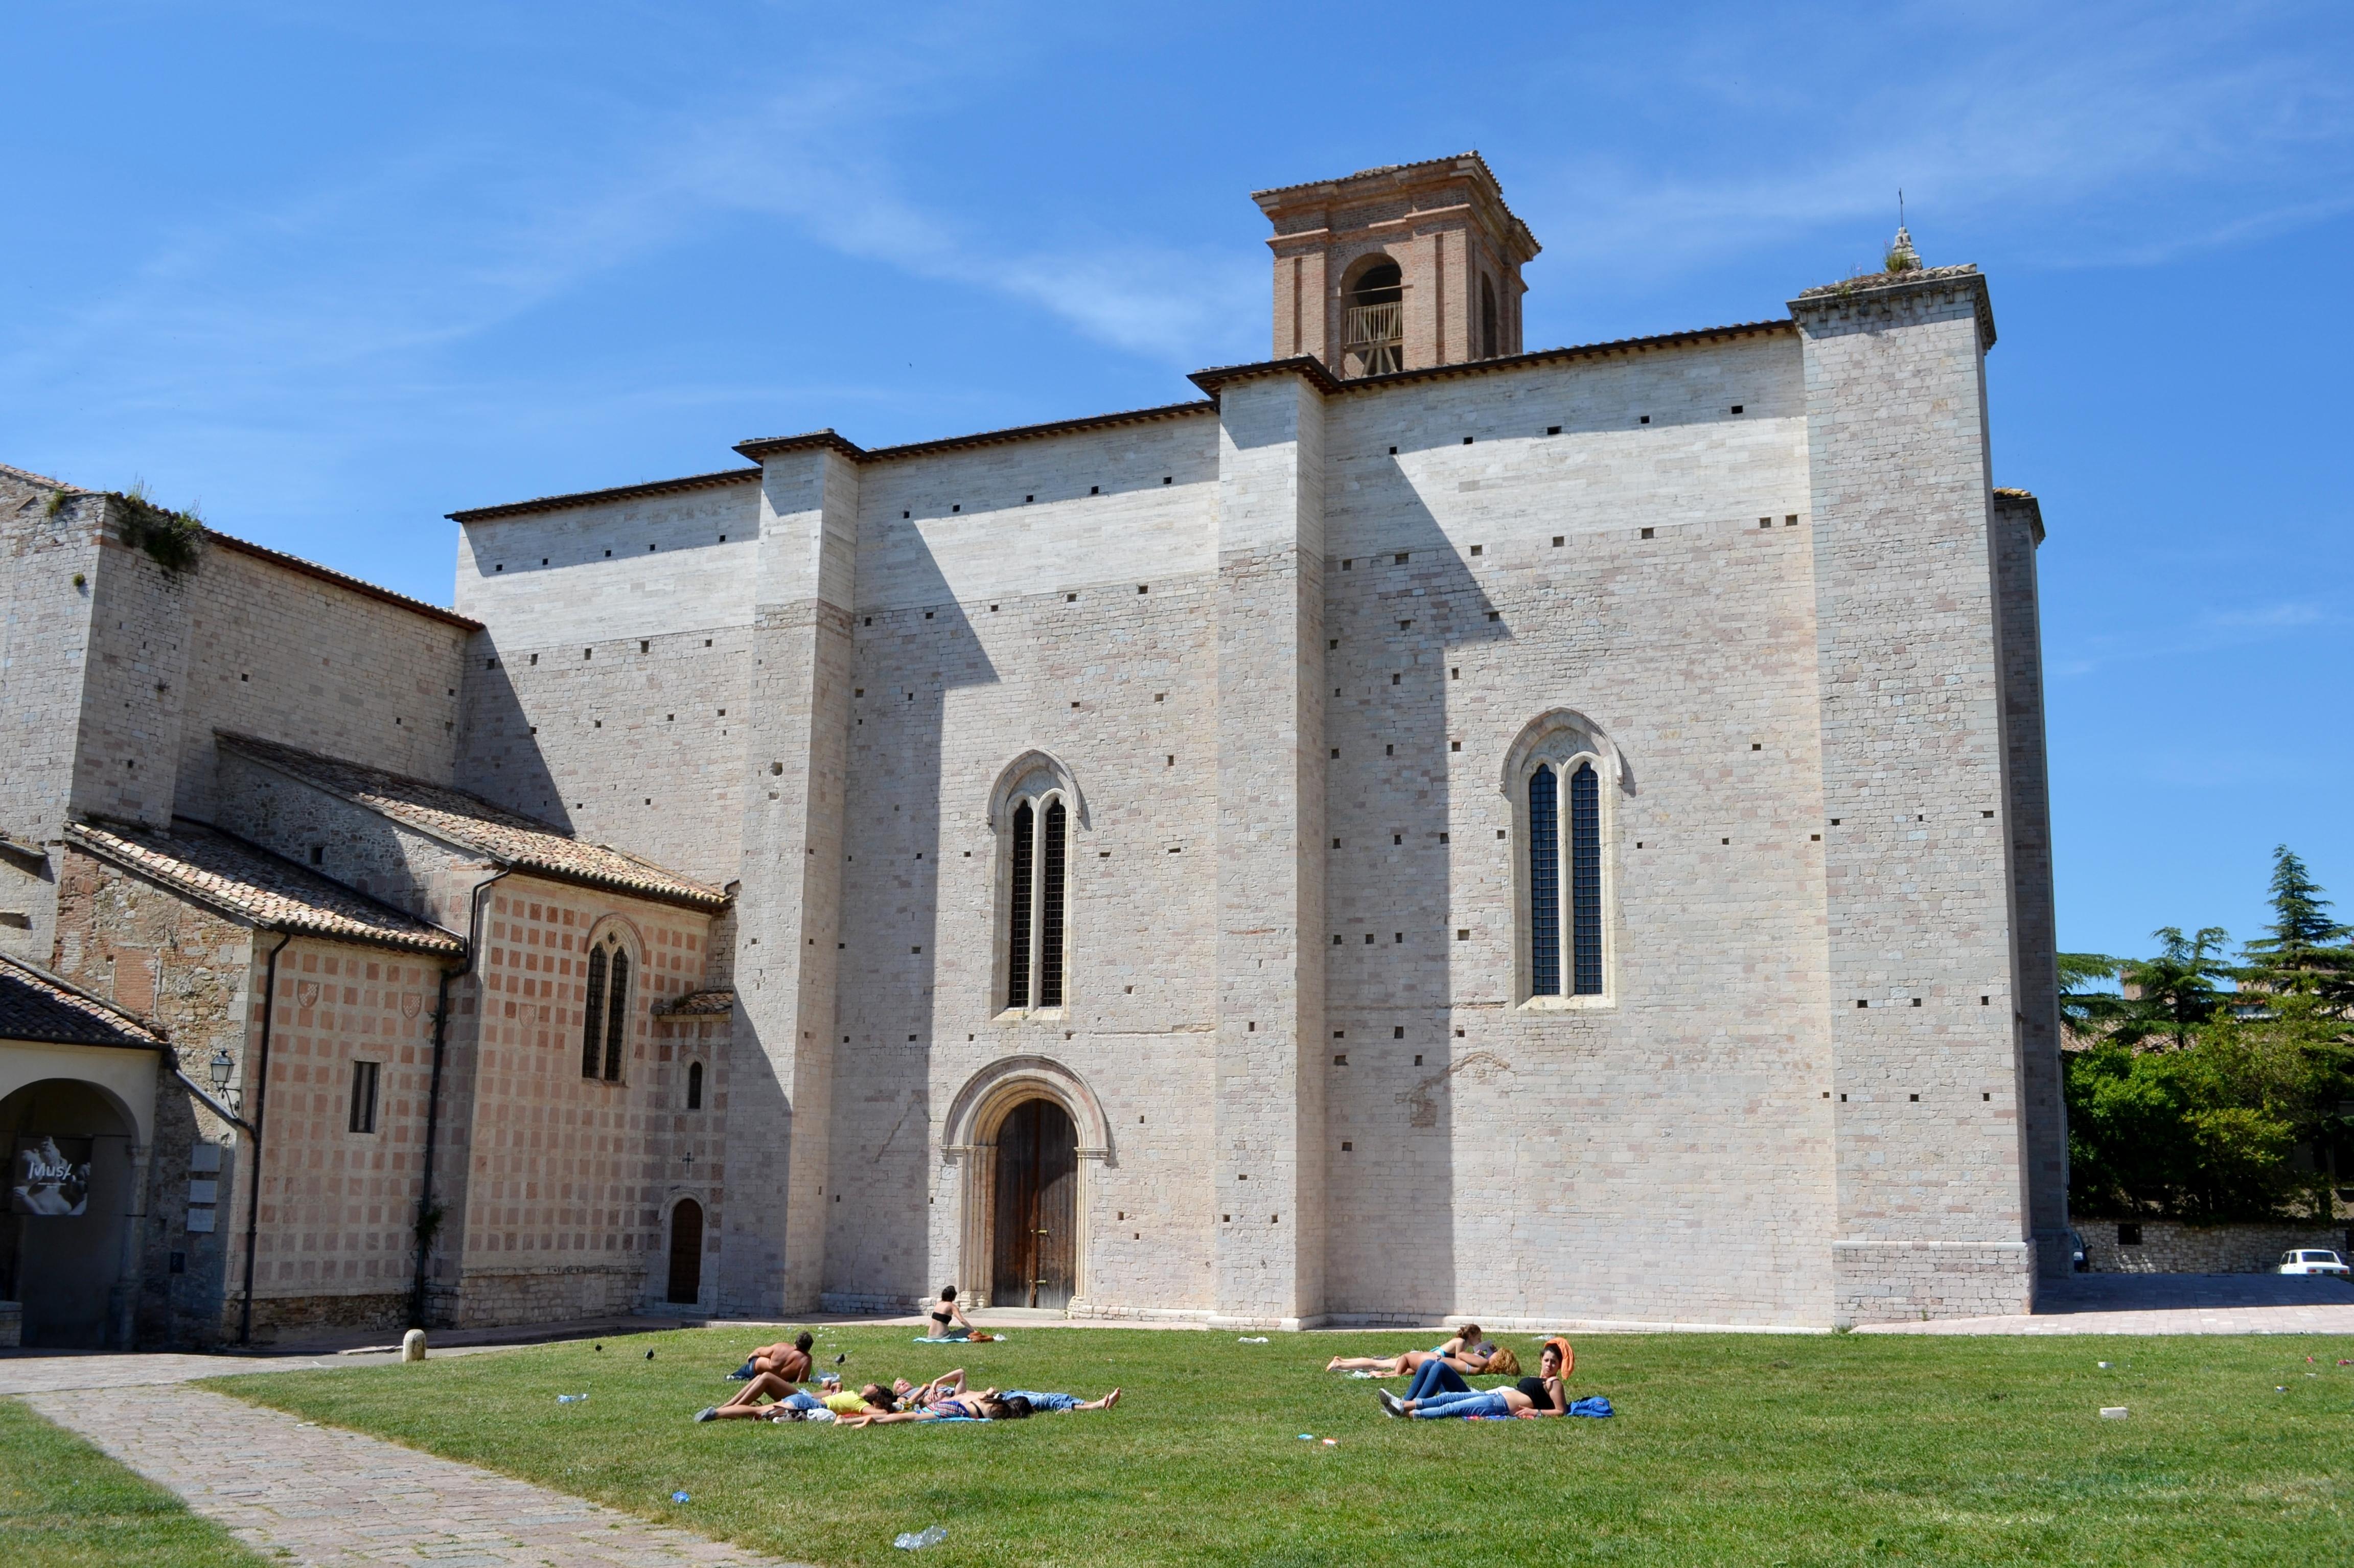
(1017, 986)
(1050, 911)
(694, 1086)
(617, 1017)
(1585, 880)
(1544, 883)
(1487, 319)
(592, 1026)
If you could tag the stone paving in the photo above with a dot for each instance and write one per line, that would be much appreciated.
(317, 1495)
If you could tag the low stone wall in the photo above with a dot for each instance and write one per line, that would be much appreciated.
(277, 1317)
(2173, 1246)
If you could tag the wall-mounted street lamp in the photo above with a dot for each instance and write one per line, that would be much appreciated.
(223, 1064)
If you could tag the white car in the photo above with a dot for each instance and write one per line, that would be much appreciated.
(2312, 1260)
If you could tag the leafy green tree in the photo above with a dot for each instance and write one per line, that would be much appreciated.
(2172, 994)
(2307, 953)
(2088, 1005)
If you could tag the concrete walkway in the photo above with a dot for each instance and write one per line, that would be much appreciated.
(2166, 1304)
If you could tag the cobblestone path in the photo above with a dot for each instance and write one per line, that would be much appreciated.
(330, 1497)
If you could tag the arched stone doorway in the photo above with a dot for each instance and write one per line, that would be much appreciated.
(1034, 1241)
(1019, 1140)
(685, 1254)
(73, 1178)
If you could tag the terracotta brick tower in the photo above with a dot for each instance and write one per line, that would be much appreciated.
(1398, 268)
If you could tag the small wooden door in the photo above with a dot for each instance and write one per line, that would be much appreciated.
(685, 1253)
(1035, 1253)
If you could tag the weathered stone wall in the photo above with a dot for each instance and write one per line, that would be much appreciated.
(281, 654)
(45, 617)
(2171, 1246)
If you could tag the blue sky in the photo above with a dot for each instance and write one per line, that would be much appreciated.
(332, 271)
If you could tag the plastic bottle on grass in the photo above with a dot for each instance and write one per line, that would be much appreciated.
(915, 1540)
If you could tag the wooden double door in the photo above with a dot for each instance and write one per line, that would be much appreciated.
(1034, 1250)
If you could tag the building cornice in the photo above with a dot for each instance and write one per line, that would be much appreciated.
(1884, 288)
(1307, 367)
(329, 575)
(618, 493)
(761, 449)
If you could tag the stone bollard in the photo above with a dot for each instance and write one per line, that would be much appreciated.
(413, 1345)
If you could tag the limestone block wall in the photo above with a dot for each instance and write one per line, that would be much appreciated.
(281, 654)
(2018, 533)
(1926, 1032)
(134, 685)
(1013, 612)
(44, 637)
(612, 693)
(1663, 1155)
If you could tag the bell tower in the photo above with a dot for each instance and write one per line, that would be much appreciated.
(1397, 268)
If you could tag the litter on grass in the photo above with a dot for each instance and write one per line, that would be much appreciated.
(2104, 1363)
(913, 1541)
(1361, 1372)
(1246, 1340)
(2113, 1413)
(571, 1399)
(680, 1497)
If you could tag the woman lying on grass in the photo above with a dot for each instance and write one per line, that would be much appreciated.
(787, 1403)
(1016, 1405)
(1466, 1353)
(1543, 1394)
(921, 1397)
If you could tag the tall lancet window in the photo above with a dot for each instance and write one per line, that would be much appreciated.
(616, 1015)
(592, 1018)
(1037, 902)
(1566, 886)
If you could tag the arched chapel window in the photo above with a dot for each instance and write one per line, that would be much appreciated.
(694, 1086)
(605, 1020)
(1564, 886)
(1037, 901)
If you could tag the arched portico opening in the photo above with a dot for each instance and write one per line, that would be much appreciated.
(1022, 1136)
(74, 1178)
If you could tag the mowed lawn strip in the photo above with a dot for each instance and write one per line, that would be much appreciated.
(64, 1504)
(1727, 1448)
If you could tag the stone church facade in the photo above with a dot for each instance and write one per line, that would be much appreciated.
(1423, 828)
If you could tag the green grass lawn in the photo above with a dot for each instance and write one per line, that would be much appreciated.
(1727, 1448)
(63, 1504)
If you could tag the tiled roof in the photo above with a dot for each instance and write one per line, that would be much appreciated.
(37, 1005)
(700, 1003)
(469, 820)
(250, 882)
(341, 580)
(617, 493)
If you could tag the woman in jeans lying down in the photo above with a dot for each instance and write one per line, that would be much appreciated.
(1543, 1394)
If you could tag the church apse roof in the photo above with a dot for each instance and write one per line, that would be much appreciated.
(453, 816)
(37, 1005)
(248, 883)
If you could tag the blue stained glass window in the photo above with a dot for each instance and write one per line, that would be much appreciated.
(1585, 880)
(1544, 883)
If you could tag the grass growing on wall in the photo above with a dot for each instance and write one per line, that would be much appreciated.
(1728, 1448)
(64, 1504)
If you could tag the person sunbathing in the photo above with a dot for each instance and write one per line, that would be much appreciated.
(1466, 1353)
(917, 1396)
(1544, 1395)
(948, 1321)
(1060, 1403)
(1436, 1376)
(790, 1361)
(986, 1406)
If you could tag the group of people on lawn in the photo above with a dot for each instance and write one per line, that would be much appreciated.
(774, 1377)
(781, 1384)
(1438, 1390)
